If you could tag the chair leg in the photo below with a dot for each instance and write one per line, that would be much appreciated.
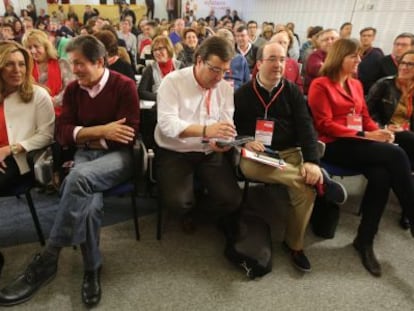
(159, 220)
(35, 218)
(135, 214)
(245, 192)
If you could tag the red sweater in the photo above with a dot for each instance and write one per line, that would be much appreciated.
(118, 99)
(330, 106)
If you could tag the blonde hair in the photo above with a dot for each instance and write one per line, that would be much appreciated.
(42, 38)
(26, 88)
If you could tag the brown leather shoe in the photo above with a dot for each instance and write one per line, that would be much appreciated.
(368, 258)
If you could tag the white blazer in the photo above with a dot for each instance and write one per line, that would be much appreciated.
(29, 124)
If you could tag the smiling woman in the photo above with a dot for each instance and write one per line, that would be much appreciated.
(355, 141)
(48, 70)
(390, 102)
(26, 113)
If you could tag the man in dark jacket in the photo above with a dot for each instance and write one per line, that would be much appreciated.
(274, 111)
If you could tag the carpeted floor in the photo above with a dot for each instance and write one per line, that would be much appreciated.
(189, 272)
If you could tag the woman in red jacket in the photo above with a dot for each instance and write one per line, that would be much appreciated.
(353, 140)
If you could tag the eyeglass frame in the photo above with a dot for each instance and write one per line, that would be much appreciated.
(274, 59)
(408, 64)
(216, 70)
(159, 49)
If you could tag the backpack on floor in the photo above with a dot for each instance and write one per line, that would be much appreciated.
(250, 247)
(325, 218)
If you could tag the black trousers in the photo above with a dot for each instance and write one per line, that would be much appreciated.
(386, 166)
(405, 140)
(11, 176)
(175, 173)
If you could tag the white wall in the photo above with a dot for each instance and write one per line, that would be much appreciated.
(390, 17)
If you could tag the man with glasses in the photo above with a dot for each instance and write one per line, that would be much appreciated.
(273, 110)
(326, 39)
(195, 108)
(388, 65)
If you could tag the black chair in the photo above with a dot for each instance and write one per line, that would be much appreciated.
(24, 185)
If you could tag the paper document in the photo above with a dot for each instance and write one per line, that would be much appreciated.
(262, 158)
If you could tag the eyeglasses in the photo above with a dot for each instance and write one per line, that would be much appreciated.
(274, 59)
(216, 70)
(159, 49)
(408, 64)
(404, 45)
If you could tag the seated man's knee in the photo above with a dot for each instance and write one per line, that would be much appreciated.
(177, 201)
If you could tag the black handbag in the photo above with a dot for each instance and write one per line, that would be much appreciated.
(249, 246)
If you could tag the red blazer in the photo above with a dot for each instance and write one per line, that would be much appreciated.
(330, 106)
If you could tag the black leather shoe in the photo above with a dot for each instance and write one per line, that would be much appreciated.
(38, 273)
(332, 190)
(368, 258)
(299, 259)
(404, 222)
(1, 262)
(91, 287)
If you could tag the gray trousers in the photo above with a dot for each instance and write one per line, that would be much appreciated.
(79, 216)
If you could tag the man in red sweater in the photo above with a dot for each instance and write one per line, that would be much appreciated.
(100, 115)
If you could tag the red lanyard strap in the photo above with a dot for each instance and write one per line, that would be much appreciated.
(272, 100)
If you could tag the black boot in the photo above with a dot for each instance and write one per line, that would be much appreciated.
(404, 222)
(368, 258)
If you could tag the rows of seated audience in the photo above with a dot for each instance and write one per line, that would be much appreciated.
(78, 82)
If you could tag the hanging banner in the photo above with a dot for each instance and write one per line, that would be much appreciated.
(202, 8)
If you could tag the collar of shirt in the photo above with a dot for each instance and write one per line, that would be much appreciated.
(249, 46)
(98, 87)
(263, 87)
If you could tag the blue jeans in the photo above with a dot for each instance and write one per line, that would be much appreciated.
(78, 220)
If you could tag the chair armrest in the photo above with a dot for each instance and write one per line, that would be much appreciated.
(33, 155)
(140, 158)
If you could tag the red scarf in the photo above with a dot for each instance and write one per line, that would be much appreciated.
(166, 67)
(54, 78)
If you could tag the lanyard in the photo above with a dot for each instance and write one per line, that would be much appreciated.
(208, 102)
(409, 107)
(272, 100)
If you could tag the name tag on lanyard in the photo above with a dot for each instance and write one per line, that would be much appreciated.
(354, 122)
(264, 131)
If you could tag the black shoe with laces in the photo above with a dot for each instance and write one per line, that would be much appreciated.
(38, 273)
(91, 287)
(298, 258)
(332, 190)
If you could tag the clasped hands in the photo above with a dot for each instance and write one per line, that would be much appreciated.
(381, 135)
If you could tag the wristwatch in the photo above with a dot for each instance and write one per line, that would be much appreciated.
(14, 149)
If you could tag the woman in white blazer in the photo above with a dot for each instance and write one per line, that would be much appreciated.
(27, 117)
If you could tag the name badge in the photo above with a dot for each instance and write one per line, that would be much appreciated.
(406, 126)
(354, 122)
(264, 131)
